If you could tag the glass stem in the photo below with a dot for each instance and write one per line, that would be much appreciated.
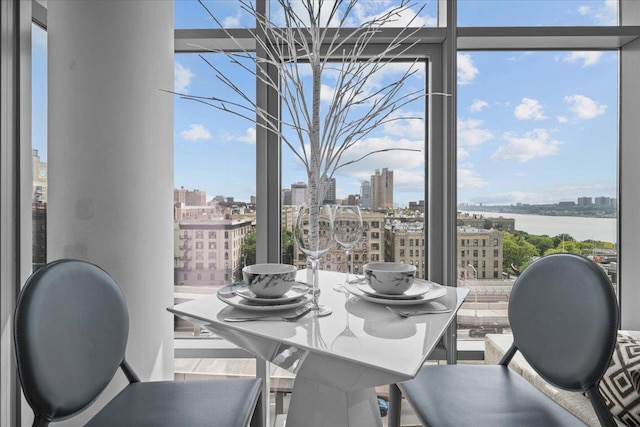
(347, 277)
(314, 282)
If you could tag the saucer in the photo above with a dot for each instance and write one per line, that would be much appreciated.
(435, 291)
(240, 302)
(298, 290)
(418, 289)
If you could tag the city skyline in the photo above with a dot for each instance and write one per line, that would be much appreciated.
(533, 127)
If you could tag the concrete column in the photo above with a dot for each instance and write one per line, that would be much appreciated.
(110, 160)
(629, 174)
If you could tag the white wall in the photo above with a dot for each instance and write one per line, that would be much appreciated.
(110, 159)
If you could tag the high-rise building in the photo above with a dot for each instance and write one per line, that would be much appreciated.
(603, 201)
(286, 196)
(417, 206)
(585, 201)
(299, 193)
(365, 195)
(330, 191)
(382, 189)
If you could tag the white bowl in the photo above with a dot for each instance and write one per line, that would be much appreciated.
(389, 278)
(269, 280)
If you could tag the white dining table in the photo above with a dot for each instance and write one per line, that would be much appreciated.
(339, 359)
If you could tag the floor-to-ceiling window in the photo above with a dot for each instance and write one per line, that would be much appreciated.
(537, 149)
(39, 144)
(523, 128)
(537, 170)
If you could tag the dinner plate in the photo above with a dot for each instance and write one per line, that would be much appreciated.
(435, 291)
(297, 290)
(418, 289)
(237, 301)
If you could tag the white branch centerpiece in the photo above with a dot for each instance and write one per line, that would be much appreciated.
(315, 36)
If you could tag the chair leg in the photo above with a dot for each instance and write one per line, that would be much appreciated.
(395, 405)
(600, 407)
(257, 419)
(40, 422)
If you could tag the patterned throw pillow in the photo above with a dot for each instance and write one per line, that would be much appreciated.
(619, 386)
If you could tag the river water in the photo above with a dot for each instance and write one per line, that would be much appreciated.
(580, 228)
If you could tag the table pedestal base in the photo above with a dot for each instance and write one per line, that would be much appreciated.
(319, 405)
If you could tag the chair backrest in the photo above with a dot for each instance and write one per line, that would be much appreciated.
(564, 317)
(70, 333)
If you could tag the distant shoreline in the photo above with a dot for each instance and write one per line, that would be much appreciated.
(588, 211)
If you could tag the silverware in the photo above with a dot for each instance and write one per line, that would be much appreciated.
(289, 318)
(406, 314)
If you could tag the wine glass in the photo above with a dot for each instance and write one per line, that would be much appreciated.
(313, 235)
(347, 231)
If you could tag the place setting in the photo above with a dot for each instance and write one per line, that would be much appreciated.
(268, 288)
(390, 283)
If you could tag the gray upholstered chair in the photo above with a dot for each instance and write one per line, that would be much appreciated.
(564, 316)
(70, 333)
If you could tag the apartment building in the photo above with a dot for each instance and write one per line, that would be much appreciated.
(369, 249)
(479, 253)
(189, 197)
(209, 252)
(404, 242)
(480, 221)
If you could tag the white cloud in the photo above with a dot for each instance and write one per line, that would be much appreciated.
(606, 14)
(326, 93)
(248, 137)
(584, 107)
(395, 159)
(529, 109)
(463, 153)
(520, 56)
(182, 78)
(586, 57)
(532, 145)
(367, 10)
(406, 180)
(478, 105)
(232, 21)
(468, 178)
(562, 119)
(406, 124)
(195, 133)
(471, 134)
(467, 72)
(375, 80)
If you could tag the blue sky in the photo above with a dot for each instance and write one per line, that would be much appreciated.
(533, 127)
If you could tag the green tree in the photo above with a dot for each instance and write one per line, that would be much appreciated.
(564, 237)
(287, 246)
(566, 246)
(248, 249)
(542, 243)
(517, 252)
